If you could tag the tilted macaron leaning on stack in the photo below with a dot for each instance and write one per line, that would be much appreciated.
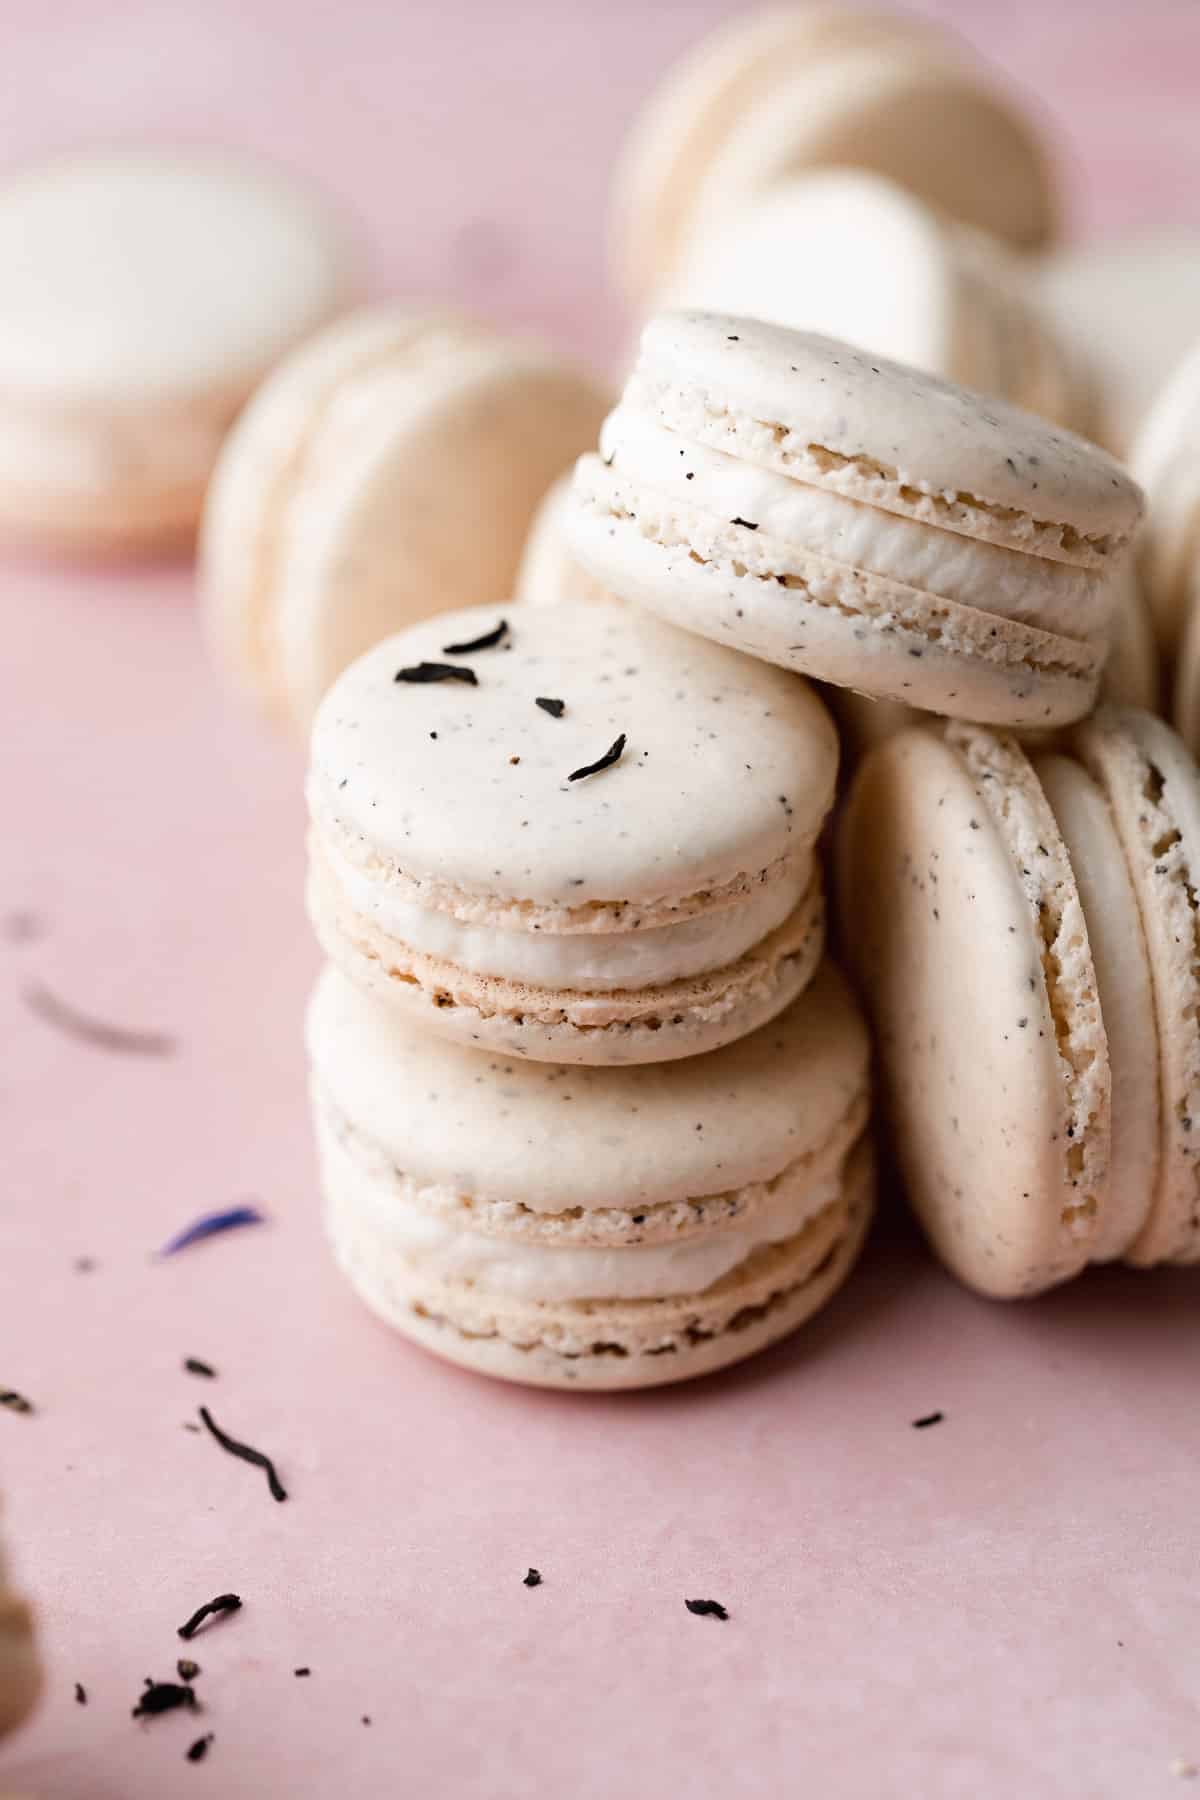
(857, 521)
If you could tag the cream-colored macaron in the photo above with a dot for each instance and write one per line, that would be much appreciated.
(1131, 309)
(853, 255)
(797, 87)
(857, 520)
(1023, 937)
(144, 294)
(592, 1228)
(20, 1669)
(571, 833)
(388, 471)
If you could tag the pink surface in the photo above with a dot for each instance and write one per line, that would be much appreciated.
(1002, 1604)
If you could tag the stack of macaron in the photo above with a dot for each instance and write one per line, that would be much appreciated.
(590, 1100)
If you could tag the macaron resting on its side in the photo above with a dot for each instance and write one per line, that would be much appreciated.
(573, 834)
(387, 472)
(849, 253)
(143, 297)
(792, 88)
(593, 1228)
(1025, 935)
(1152, 788)
(858, 521)
(962, 918)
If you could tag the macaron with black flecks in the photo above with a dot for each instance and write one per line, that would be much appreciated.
(571, 833)
(593, 1228)
(1024, 931)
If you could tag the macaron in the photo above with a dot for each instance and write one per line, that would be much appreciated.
(1165, 458)
(858, 521)
(1131, 308)
(593, 1228)
(144, 294)
(388, 471)
(570, 833)
(20, 1669)
(548, 572)
(1022, 932)
(800, 87)
(847, 252)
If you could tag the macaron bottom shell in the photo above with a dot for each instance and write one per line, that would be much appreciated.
(597, 1345)
(683, 1018)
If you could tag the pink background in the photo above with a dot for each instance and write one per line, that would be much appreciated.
(1004, 1604)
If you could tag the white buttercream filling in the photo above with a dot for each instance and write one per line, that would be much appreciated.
(596, 962)
(1054, 596)
(434, 1246)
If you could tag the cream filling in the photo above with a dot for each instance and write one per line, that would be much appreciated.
(167, 444)
(1054, 596)
(433, 1246)
(596, 962)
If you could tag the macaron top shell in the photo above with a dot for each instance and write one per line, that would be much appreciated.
(143, 273)
(726, 766)
(827, 414)
(494, 1128)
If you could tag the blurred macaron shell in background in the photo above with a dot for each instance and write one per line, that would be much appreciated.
(787, 89)
(144, 294)
(857, 520)
(387, 472)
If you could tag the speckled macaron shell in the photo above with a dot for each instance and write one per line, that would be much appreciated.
(658, 907)
(847, 252)
(458, 1209)
(1152, 787)
(1166, 460)
(1132, 677)
(856, 520)
(20, 1669)
(387, 472)
(143, 296)
(960, 912)
(594, 1347)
